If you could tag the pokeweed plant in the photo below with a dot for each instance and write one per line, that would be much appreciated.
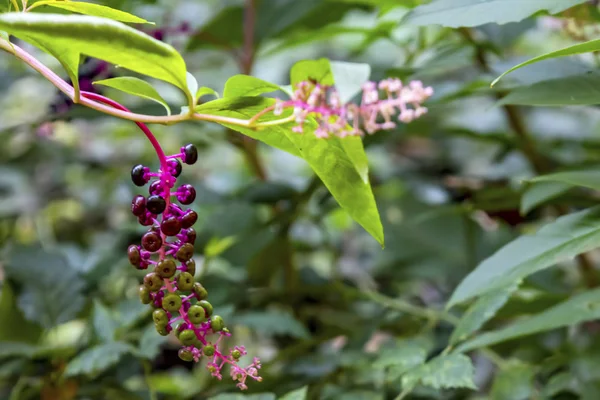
(315, 108)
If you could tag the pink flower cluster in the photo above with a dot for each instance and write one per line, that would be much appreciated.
(380, 103)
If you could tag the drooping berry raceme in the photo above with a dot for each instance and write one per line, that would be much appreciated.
(379, 105)
(166, 250)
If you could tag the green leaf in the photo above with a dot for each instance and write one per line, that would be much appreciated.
(443, 372)
(587, 178)
(560, 240)
(539, 193)
(586, 47)
(225, 30)
(349, 78)
(205, 91)
(105, 325)
(515, 382)
(458, 13)
(102, 38)
(409, 355)
(55, 295)
(318, 70)
(245, 85)
(98, 359)
(136, 87)
(11, 316)
(299, 394)
(97, 10)
(579, 308)
(481, 311)
(216, 246)
(565, 91)
(273, 322)
(150, 343)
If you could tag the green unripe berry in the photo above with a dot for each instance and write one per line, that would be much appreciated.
(165, 268)
(191, 267)
(236, 354)
(208, 350)
(187, 337)
(153, 282)
(196, 314)
(199, 291)
(144, 294)
(216, 323)
(185, 281)
(185, 355)
(161, 329)
(208, 308)
(172, 302)
(185, 252)
(160, 317)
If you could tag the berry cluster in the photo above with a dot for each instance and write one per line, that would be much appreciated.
(179, 303)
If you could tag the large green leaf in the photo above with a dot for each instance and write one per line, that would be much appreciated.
(565, 91)
(515, 382)
(539, 193)
(589, 178)
(457, 13)
(96, 10)
(586, 47)
(102, 38)
(443, 372)
(577, 309)
(105, 324)
(97, 359)
(136, 87)
(245, 85)
(560, 240)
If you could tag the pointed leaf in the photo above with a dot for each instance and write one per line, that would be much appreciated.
(577, 309)
(458, 13)
(349, 78)
(443, 372)
(587, 178)
(560, 240)
(97, 359)
(104, 322)
(514, 382)
(245, 85)
(136, 87)
(541, 192)
(204, 91)
(97, 10)
(102, 38)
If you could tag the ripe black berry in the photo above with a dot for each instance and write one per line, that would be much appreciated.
(185, 354)
(165, 268)
(208, 308)
(174, 167)
(199, 291)
(155, 187)
(156, 204)
(216, 323)
(170, 226)
(185, 281)
(133, 254)
(153, 282)
(138, 205)
(172, 302)
(185, 252)
(190, 154)
(151, 241)
(137, 175)
(146, 219)
(188, 219)
(196, 314)
(186, 194)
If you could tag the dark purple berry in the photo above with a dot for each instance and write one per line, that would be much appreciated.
(137, 175)
(216, 323)
(144, 294)
(156, 204)
(146, 219)
(151, 241)
(170, 226)
(174, 167)
(187, 337)
(186, 194)
(138, 205)
(188, 219)
(158, 298)
(208, 308)
(155, 187)
(190, 154)
(200, 292)
(172, 302)
(191, 267)
(185, 281)
(133, 253)
(185, 354)
(165, 268)
(153, 282)
(196, 314)
(190, 235)
(185, 252)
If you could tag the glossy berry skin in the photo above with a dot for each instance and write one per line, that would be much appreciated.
(156, 204)
(208, 308)
(172, 302)
(170, 226)
(151, 241)
(185, 355)
(155, 187)
(191, 267)
(153, 282)
(196, 314)
(165, 268)
(187, 337)
(145, 219)
(144, 295)
(185, 281)
(188, 219)
(190, 235)
(190, 154)
(236, 354)
(138, 205)
(174, 167)
(185, 252)
(160, 317)
(208, 350)
(186, 194)
(216, 323)
(137, 175)
(162, 330)
(200, 292)
(133, 254)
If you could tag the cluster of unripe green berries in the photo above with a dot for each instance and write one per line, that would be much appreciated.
(167, 248)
